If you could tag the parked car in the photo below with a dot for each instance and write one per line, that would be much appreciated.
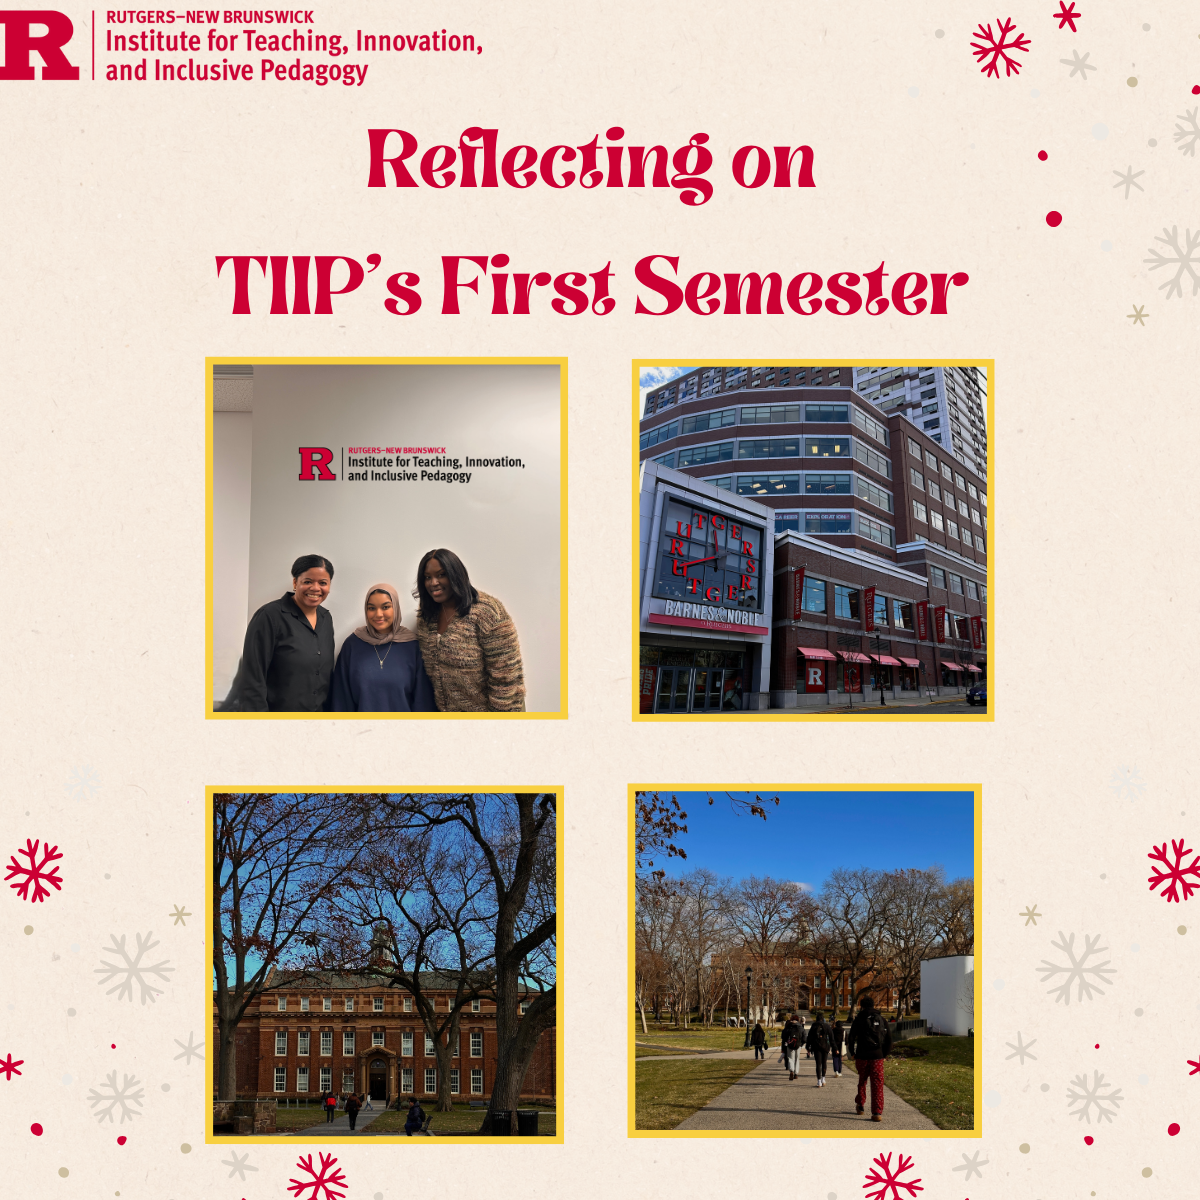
(978, 694)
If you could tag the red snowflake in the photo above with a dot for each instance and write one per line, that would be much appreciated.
(886, 1182)
(35, 873)
(1067, 16)
(9, 1067)
(1177, 872)
(993, 49)
(322, 1183)
(1194, 1065)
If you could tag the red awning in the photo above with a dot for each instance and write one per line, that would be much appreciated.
(813, 652)
(910, 662)
(975, 669)
(951, 666)
(886, 660)
(853, 656)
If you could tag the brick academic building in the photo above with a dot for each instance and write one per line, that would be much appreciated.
(345, 1034)
(859, 565)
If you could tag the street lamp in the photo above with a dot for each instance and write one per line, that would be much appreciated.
(749, 973)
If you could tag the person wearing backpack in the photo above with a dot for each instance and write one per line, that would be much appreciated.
(758, 1040)
(415, 1118)
(790, 1042)
(352, 1106)
(330, 1108)
(818, 1044)
(870, 1042)
(837, 1034)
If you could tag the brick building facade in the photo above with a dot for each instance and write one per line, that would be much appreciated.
(343, 1034)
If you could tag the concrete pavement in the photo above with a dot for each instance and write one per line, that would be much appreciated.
(341, 1126)
(766, 1099)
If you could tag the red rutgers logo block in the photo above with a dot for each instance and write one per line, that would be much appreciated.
(314, 463)
(20, 42)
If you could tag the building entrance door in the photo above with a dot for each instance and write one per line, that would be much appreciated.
(378, 1079)
(708, 691)
(673, 689)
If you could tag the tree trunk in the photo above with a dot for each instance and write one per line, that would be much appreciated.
(226, 1058)
(642, 1013)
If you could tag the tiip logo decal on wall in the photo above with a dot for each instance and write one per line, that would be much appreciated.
(392, 464)
(40, 31)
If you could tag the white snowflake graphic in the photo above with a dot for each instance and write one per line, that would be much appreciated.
(111, 1098)
(1100, 1094)
(1127, 782)
(83, 784)
(1183, 258)
(322, 1181)
(1189, 132)
(971, 1165)
(1020, 1049)
(190, 1051)
(1078, 64)
(238, 1166)
(1078, 970)
(132, 970)
(1128, 179)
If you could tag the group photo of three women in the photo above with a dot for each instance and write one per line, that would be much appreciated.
(464, 656)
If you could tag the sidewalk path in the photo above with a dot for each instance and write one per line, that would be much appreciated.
(766, 1099)
(339, 1127)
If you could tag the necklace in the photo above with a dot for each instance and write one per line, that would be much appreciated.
(384, 658)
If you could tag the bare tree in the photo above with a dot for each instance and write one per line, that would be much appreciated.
(851, 915)
(771, 916)
(912, 927)
(956, 917)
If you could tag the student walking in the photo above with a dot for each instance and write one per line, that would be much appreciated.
(352, 1106)
(330, 1108)
(869, 1042)
(758, 1040)
(837, 1035)
(818, 1043)
(790, 1042)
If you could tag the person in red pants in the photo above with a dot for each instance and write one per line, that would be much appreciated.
(869, 1042)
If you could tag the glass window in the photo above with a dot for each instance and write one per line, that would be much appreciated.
(326, 1042)
(952, 528)
(962, 508)
(302, 1043)
(874, 495)
(966, 537)
(946, 472)
(702, 422)
(693, 456)
(347, 1043)
(956, 583)
(524, 1006)
(930, 394)
(768, 414)
(377, 1003)
(406, 1044)
(827, 522)
(972, 491)
(828, 414)
(932, 423)
(476, 1081)
(902, 614)
(662, 434)
(918, 510)
(914, 448)
(975, 515)
(302, 1079)
(430, 1081)
(376, 1037)
(406, 1079)
(881, 609)
(870, 426)
(827, 448)
(281, 1003)
(826, 485)
(813, 598)
(972, 590)
(873, 459)
(937, 577)
(930, 461)
(326, 1005)
(916, 479)
(845, 603)
(408, 1004)
(348, 1081)
(454, 1081)
(280, 1041)
(304, 1004)
(983, 499)
(935, 493)
(666, 460)
(326, 1079)
(935, 519)
(430, 1052)
(788, 447)
(476, 1043)
(768, 485)
(786, 520)
(959, 481)
(349, 1005)
(475, 1005)
(983, 591)
(281, 1079)
(883, 534)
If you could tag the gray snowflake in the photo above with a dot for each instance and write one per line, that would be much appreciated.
(1020, 1050)
(180, 914)
(1077, 969)
(1127, 782)
(1078, 64)
(83, 784)
(1099, 1094)
(190, 1051)
(238, 1166)
(111, 1098)
(1129, 179)
(1184, 259)
(1189, 132)
(132, 970)
(971, 1165)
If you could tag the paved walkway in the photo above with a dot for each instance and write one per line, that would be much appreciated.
(766, 1099)
(341, 1126)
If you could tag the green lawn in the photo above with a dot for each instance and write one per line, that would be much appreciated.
(698, 1037)
(669, 1092)
(289, 1119)
(942, 1085)
(463, 1119)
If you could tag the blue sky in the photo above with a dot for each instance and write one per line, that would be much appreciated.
(810, 833)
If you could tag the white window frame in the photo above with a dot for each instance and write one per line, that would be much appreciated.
(431, 1081)
(406, 1045)
(326, 1077)
(302, 1079)
(935, 519)
(476, 1081)
(347, 1043)
(430, 1049)
(326, 1004)
(281, 1004)
(281, 1079)
(454, 1081)
(304, 1004)
(406, 1080)
(377, 1004)
(303, 1043)
(349, 1005)
(348, 1079)
(408, 1004)
(475, 1005)
(326, 1040)
(476, 1043)
(376, 1037)
(281, 1043)
(919, 512)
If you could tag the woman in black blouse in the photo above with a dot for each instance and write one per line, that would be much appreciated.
(287, 661)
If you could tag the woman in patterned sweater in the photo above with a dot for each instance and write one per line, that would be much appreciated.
(468, 640)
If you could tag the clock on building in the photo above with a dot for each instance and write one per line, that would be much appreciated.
(707, 557)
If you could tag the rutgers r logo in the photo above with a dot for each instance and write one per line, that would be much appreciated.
(20, 42)
(314, 462)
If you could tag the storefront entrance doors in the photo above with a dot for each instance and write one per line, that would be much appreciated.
(697, 689)
(707, 692)
(673, 687)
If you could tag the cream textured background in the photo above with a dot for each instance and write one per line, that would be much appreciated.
(117, 198)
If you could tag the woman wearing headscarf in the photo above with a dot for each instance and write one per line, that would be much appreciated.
(287, 659)
(468, 640)
(379, 668)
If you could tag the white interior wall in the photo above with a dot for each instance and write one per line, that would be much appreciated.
(232, 439)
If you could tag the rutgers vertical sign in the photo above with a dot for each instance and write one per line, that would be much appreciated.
(939, 622)
(976, 633)
(797, 593)
(923, 620)
(869, 610)
(40, 31)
